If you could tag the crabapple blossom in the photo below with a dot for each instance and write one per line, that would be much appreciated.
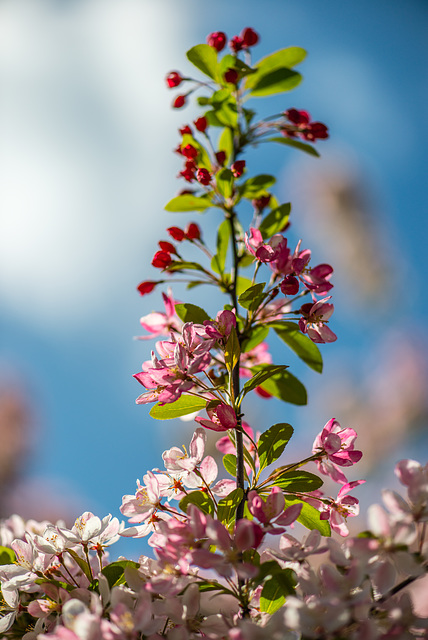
(158, 323)
(314, 318)
(336, 445)
(221, 418)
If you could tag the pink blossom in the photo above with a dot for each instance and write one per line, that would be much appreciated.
(270, 512)
(264, 252)
(158, 323)
(345, 506)
(221, 327)
(314, 318)
(337, 446)
(222, 417)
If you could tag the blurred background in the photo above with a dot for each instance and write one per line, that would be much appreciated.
(86, 167)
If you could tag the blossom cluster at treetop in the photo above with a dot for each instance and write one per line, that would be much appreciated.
(228, 561)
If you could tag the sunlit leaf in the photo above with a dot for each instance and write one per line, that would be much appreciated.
(303, 346)
(191, 313)
(273, 442)
(181, 407)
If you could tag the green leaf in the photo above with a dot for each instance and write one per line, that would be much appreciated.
(261, 374)
(253, 296)
(242, 284)
(227, 507)
(291, 142)
(7, 556)
(275, 221)
(310, 517)
(289, 58)
(297, 481)
(226, 115)
(115, 571)
(232, 351)
(81, 563)
(200, 499)
(273, 442)
(188, 202)
(219, 260)
(229, 463)
(254, 337)
(191, 313)
(224, 180)
(181, 407)
(225, 142)
(276, 589)
(284, 385)
(204, 58)
(179, 265)
(253, 187)
(276, 81)
(303, 346)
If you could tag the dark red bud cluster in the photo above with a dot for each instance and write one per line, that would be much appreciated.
(221, 157)
(248, 38)
(174, 79)
(231, 76)
(185, 130)
(261, 203)
(217, 40)
(167, 246)
(201, 124)
(203, 176)
(303, 127)
(161, 259)
(238, 168)
(189, 151)
(191, 232)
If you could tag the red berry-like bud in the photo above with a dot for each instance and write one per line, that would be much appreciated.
(166, 246)
(176, 233)
(146, 287)
(185, 129)
(261, 203)
(192, 231)
(316, 130)
(249, 37)
(203, 176)
(217, 39)
(231, 76)
(179, 102)
(297, 117)
(236, 44)
(221, 157)
(173, 79)
(161, 259)
(188, 173)
(189, 151)
(290, 286)
(238, 168)
(201, 124)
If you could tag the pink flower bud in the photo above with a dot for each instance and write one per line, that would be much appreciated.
(179, 102)
(217, 40)
(173, 79)
(238, 168)
(201, 124)
(203, 176)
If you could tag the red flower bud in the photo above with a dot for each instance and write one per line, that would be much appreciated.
(261, 203)
(146, 287)
(176, 233)
(238, 168)
(192, 231)
(217, 39)
(173, 79)
(316, 130)
(201, 124)
(188, 173)
(185, 129)
(161, 260)
(203, 176)
(167, 246)
(231, 76)
(179, 102)
(290, 286)
(221, 157)
(261, 392)
(189, 151)
(236, 44)
(249, 37)
(297, 117)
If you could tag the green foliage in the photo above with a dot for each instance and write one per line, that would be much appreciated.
(115, 572)
(229, 463)
(227, 507)
(7, 556)
(200, 499)
(180, 265)
(303, 346)
(254, 187)
(284, 58)
(82, 564)
(276, 81)
(224, 180)
(273, 442)
(275, 221)
(181, 407)
(309, 516)
(298, 481)
(283, 385)
(291, 142)
(223, 236)
(254, 337)
(204, 58)
(253, 296)
(188, 202)
(232, 351)
(275, 590)
(261, 374)
(191, 313)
